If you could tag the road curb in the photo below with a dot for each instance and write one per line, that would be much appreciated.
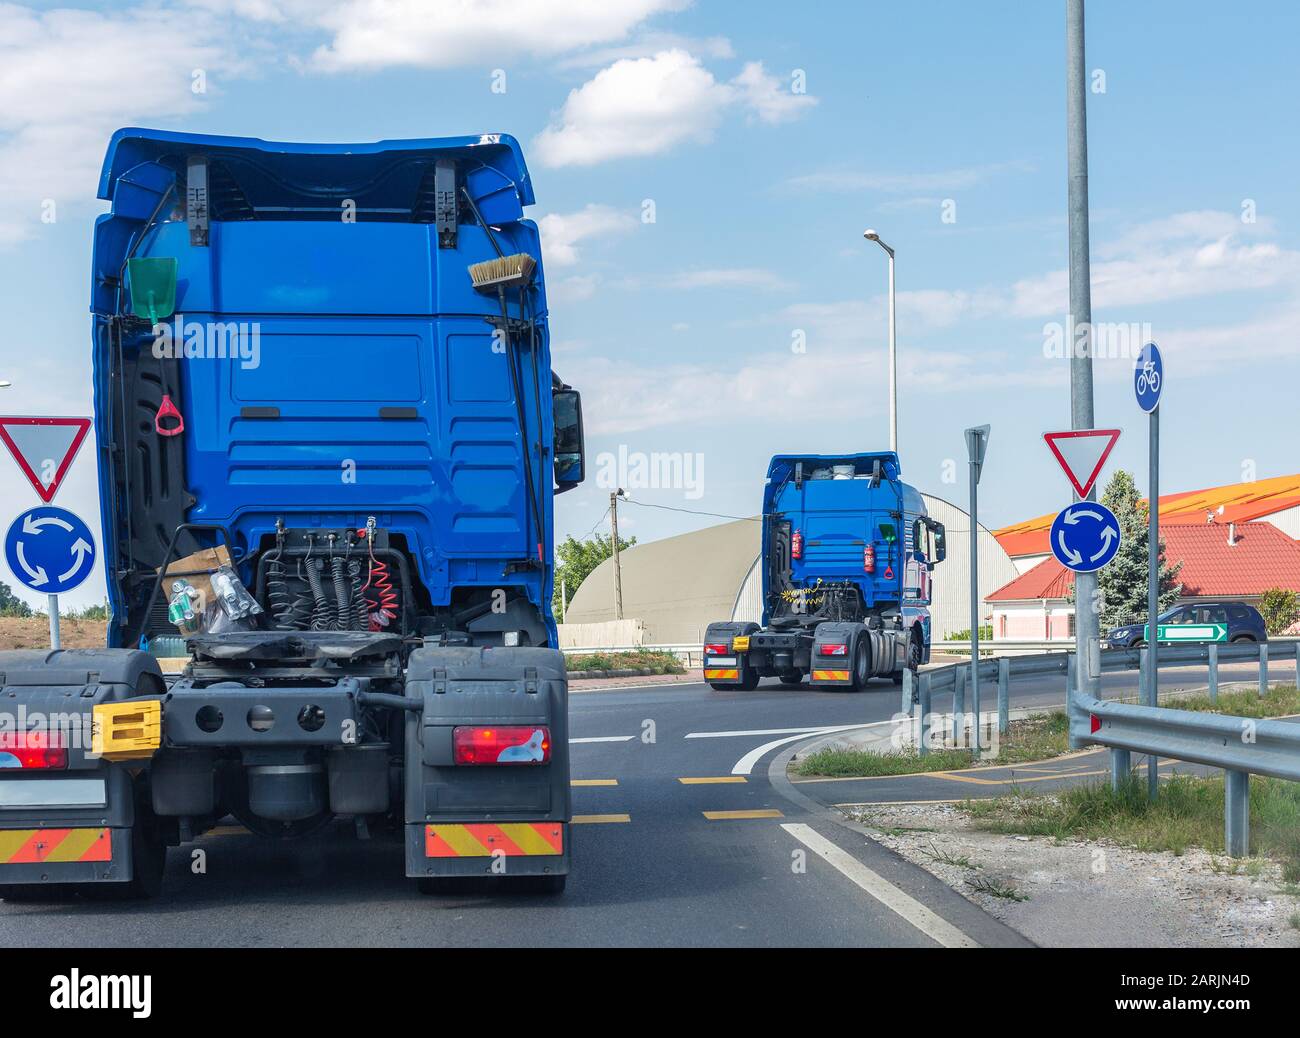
(913, 880)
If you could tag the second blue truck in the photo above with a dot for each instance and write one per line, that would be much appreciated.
(847, 556)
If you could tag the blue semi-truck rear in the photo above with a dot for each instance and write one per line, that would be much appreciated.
(330, 366)
(848, 551)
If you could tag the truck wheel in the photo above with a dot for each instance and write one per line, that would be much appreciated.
(148, 861)
(913, 659)
(748, 679)
(793, 678)
(31, 893)
(861, 666)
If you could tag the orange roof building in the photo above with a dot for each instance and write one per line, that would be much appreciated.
(1276, 501)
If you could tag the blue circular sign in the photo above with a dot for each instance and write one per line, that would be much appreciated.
(1149, 377)
(50, 550)
(1085, 536)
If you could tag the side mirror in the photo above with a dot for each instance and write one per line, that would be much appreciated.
(570, 469)
(940, 542)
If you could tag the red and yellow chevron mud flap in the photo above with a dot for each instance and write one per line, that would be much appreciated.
(480, 848)
(80, 854)
(831, 677)
(722, 674)
(38, 846)
(513, 839)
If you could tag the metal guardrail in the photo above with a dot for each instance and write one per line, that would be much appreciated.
(1212, 739)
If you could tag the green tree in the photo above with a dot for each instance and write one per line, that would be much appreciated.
(1279, 608)
(576, 559)
(1122, 585)
(11, 604)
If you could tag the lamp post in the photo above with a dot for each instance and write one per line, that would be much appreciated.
(871, 235)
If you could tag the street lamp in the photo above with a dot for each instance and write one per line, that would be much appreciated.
(871, 235)
(5, 383)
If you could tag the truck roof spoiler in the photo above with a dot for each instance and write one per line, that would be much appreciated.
(391, 180)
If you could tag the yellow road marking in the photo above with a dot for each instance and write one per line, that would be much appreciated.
(726, 816)
(720, 780)
(598, 819)
(594, 782)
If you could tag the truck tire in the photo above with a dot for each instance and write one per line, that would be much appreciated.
(861, 666)
(792, 678)
(913, 659)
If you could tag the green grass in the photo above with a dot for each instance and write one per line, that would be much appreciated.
(1188, 813)
(994, 888)
(1033, 739)
(1280, 701)
(656, 660)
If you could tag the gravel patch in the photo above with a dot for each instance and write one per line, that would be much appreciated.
(1093, 894)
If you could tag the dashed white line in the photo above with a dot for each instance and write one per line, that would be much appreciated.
(604, 738)
(933, 926)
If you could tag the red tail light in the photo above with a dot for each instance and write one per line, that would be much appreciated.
(31, 750)
(869, 559)
(834, 650)
(508, 744)
(716, 650)
(796, 545)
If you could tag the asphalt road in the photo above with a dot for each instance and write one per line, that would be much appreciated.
(686, 833)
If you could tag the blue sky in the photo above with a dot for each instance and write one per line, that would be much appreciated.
(941, 124)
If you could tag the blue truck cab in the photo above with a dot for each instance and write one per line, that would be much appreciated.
(327, 419)
(847, 556)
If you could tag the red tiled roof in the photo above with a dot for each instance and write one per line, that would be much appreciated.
(1242, 502)
(1263, 557)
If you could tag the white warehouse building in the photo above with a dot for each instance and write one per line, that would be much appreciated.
(679, 585)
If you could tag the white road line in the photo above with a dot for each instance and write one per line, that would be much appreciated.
(745, 765)
(760, 731)
(933, 926)
(604, 738)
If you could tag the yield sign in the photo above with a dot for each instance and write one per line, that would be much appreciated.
(1082, 453)
(44, 448)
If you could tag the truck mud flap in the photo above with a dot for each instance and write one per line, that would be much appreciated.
(83, 854)
(725, 648)
(494, 819)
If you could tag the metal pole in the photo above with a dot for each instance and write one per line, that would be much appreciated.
(922, 747)
(974, 600)
(1263, 669)
(618, 569)
(1214, 672)
(906, 706)
(1236, 813)
(958, 708)
(1004, 695)
(1119, 767)
(1086, 621)
(1153, 590)
(893, 363)
(563, 599)
(55, 642)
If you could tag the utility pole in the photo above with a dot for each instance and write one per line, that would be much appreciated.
(977, 443)
(618, 569)
(1087, 644)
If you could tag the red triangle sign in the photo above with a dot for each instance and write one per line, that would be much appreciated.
(1082, 453)
(44, 448)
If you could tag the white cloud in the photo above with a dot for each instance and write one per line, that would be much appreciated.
(635, 107)
(68, 78)
(1180, 257)
(370, 34)
(649, 105)
(562, 232)
(772, 100)
(647, 45)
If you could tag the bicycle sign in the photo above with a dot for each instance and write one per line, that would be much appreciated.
(1148, 377)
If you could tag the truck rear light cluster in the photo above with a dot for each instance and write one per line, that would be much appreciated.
(716, 650)
(869, 559)
(834, 650)
(501, 744)
(796, 545)
(32, 750)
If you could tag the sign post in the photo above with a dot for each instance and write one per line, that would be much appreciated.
(1084, 537)
(44, 449)
(50, 550)
(977, 443)
(1148, 383)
